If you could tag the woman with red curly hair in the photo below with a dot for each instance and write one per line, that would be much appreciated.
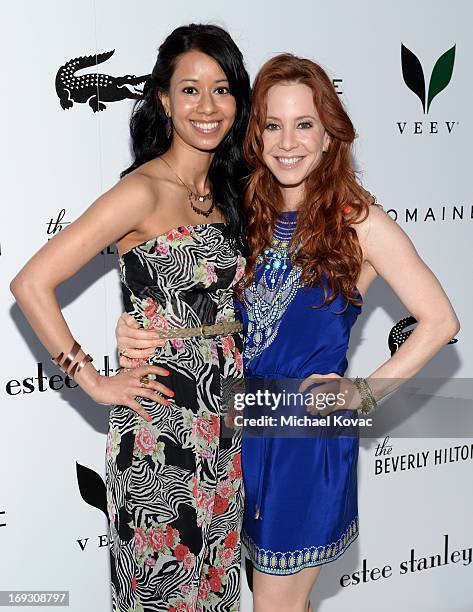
(316, 243)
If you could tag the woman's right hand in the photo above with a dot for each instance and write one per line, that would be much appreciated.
(135, 344)
(123, 388)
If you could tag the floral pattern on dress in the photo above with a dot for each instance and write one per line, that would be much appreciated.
(174, 493)
(147, 444)
(205, 430)
(204, 272)
(113, 442)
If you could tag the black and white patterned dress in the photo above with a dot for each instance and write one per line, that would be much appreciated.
(174, 492)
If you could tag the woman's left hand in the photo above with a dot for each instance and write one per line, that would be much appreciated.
(333, 392)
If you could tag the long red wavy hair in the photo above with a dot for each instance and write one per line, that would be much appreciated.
(334, 199)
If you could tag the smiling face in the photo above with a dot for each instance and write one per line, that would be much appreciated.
(199, 101)
(294, 138)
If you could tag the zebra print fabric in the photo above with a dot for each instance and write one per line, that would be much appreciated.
(174, 489)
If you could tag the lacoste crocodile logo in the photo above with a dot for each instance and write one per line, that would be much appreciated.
(95, 88)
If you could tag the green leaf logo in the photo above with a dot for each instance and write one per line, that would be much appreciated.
(413, 75)
(441, 74)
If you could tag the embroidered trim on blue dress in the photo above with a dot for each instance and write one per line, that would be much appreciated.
(291, 562)
(269, 297)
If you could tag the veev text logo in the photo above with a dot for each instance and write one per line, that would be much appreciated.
(414, 78)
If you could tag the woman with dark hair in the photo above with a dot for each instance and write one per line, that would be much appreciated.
(173, 477)
(316, 243)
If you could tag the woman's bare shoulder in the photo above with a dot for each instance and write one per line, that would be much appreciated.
(154, 177)
(375, 223)
(139, 185)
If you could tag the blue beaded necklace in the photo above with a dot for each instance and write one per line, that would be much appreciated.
(270, 295)
(277, 256)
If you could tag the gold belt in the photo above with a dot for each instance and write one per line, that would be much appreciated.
(224, 328)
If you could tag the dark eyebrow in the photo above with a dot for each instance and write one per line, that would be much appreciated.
(296, 119)
(197, 80)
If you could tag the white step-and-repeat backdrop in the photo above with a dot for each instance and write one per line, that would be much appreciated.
(414, 552)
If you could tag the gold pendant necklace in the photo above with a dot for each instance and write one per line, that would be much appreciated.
(194, 196)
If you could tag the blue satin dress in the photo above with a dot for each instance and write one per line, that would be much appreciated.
(300, 492)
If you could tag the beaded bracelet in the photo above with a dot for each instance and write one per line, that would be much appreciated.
(368, 402)
(65, 365)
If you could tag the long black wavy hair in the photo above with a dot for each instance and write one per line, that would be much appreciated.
(228, 169)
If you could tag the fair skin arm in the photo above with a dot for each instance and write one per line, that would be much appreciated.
(390, 252)
(106, 221)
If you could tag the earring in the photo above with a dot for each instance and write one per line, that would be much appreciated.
(168, 126)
